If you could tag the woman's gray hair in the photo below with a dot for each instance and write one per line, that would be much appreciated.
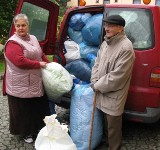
(20, 16)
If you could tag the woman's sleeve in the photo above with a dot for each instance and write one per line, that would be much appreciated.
(44, 58)
(14, 52)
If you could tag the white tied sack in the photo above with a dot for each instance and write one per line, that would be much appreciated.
(73, 51)
(54, 136)
(57, 80)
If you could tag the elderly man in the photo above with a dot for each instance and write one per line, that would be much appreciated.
(111, 76)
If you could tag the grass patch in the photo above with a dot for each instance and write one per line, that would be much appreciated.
(50, 57)
(2, 65)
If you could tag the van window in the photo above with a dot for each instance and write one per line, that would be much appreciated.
(38, 18)
(158, 2)
(139, 26)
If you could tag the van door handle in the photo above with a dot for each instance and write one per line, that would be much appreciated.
(145, 65)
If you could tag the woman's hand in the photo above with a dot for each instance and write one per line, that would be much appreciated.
(43, 64)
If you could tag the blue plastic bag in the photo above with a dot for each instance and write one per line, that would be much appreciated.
(76, 22)
(75, 35)
(91, 32)
(91, 58)
(80, 69)
(86, 49)
(86, 17)
(80, 118)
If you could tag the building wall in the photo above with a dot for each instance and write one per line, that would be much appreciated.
(96, 2)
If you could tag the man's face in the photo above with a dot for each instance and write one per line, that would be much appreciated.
(112, 29)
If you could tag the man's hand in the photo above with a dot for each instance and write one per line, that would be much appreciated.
(92, 86)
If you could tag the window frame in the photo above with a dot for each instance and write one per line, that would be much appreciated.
(109, 11)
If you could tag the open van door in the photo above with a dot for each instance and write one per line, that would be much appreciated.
(43, 18)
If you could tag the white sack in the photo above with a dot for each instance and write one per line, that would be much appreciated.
(57, 80)
(73, 51)
(54, 136)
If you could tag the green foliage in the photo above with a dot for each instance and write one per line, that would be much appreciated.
(50, 57)
(63, 7)
(6, 15)
(62, 4)
(2, 65)
(7, 9)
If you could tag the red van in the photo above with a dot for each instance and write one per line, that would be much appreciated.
(142, 28)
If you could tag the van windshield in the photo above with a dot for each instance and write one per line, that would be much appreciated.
(139, 26)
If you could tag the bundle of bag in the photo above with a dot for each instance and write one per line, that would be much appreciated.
(80, 118)
(56, 80)
(73, 51)
(80, 69)
(85, 30)
(54, 136)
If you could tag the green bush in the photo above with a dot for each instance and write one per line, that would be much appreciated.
(6, 16)
(7, 9)
(2, 66)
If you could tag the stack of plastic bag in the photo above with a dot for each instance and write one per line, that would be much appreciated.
(80, 118)
(56, 80)
(85, 30)
(54, 136)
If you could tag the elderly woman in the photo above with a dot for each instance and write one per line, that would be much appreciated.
(28, 105)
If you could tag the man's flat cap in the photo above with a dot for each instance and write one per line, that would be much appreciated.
(115, 19)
